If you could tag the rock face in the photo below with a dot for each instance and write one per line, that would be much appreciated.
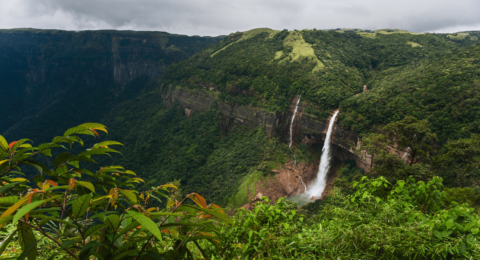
(307, 128)
(285, 183)
(51, 80)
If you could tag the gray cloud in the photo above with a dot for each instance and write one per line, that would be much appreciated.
(215, 17)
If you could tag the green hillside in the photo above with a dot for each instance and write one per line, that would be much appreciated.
(267, 68)
(444, 90)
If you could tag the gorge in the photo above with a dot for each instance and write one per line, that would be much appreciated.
(206, 137)
(141, 83)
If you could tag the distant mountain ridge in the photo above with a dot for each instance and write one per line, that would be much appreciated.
(46, 74)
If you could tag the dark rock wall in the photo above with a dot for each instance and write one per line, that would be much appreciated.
(308, 129)
(51, 80)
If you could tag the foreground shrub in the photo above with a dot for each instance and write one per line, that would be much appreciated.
(66, 211)
(379, 221)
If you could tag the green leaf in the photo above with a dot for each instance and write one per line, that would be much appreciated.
(132, 252)
(24, 210)
(3, 144)
(87, 249)
(80, 205)
(20, 143)
(37, 165)
(93, 229)
(87, 185)
(98, 151)
(146, 223)
(112, 221)
(9, 200)
(61, 158)
(53, 219)
(6, 241)
(165, 214)
(8, 186)
(449, 223)
(107, 143)
(129, 195)
(81, 129)
(26, 253)
(222, 216)
(27, 238)
(68, 243)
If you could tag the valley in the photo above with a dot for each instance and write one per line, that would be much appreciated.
(317, 137)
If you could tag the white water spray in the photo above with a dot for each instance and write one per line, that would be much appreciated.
(290, 142)
(317, 188)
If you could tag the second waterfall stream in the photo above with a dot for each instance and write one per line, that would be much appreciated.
(315, 189)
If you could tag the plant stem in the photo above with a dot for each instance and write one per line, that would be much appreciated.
(53, 239)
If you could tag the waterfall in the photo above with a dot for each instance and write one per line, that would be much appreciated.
(290, 142)
(406, 153)
(317, 188)
(302, 182)
(291, 122)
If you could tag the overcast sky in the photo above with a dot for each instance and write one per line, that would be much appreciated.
(221, 17)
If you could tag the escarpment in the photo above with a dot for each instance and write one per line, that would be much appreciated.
(308, 129)
(47, 75)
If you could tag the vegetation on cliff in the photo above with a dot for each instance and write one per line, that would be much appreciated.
(444, 90)
(267, 67)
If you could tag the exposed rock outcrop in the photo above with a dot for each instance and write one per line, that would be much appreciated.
(307, 128)
(285, 182)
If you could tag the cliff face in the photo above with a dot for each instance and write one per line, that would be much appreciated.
(53, 79)
(307, 128)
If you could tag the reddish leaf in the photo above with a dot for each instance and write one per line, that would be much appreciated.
(28, 202)
(71, 183)
(199, 200)
(95, 132)
(12, 144)
(52, 183)
(216, 206)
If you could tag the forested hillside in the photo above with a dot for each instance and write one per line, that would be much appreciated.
(444, 90)
(269, 67)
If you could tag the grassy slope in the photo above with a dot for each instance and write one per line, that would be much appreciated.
(267, 67)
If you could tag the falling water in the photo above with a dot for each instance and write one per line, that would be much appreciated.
(291, 139)
(406, 153)
(317, 188)
(291, 122)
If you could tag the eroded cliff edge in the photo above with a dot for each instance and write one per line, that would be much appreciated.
(308, 128)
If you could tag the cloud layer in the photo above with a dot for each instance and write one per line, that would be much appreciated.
(220, 17)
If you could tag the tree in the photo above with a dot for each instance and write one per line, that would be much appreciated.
(409, 134)
(460, 163)
(412, 135)
(80, 213)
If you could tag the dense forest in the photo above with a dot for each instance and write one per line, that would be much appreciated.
(169, 177)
